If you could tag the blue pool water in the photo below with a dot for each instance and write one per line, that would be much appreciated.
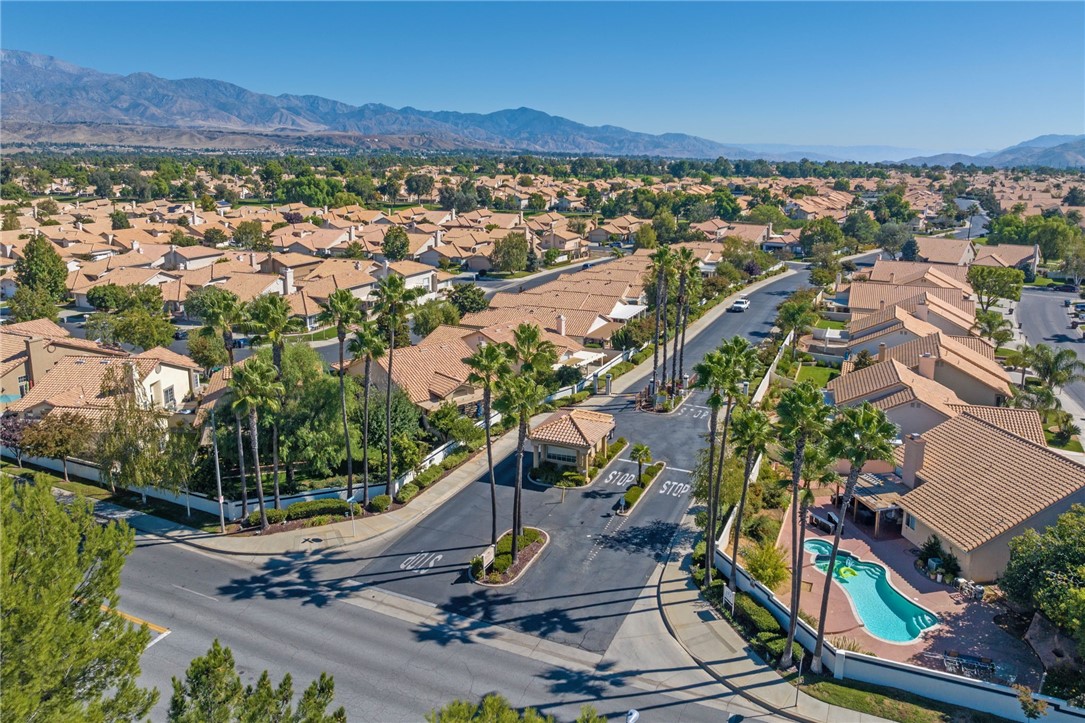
(884, 612)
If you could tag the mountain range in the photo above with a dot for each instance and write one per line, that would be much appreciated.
(44, 101)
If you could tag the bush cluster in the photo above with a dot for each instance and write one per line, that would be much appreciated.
(380, 503)
(572, 478)
(634, 492)
(503, 552)
(332, 506)
(428, 476)
(274, 517)
(406, 493)
(548, 473)
(650, 474)
(766, 635)
(620, 368)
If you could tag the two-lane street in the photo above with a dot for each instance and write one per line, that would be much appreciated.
(1044, 320)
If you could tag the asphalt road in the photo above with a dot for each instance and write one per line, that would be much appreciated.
(1044, 320)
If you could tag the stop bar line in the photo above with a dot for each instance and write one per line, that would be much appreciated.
(673, 469)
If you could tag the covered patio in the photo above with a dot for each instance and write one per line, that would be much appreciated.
(875, 504)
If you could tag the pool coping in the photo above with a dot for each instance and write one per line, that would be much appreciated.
(888, 580)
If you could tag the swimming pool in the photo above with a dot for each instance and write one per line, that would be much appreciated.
(881, 608)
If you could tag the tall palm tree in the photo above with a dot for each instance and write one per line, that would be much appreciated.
(519, 397)
(994, 326)
(803, 417)
(256, 389)
(796, 316)
(223, 313)
(535, 354)
(1057, 368)
(661, 263)
(393, 299)
(342, 310)
(751, 434)
(489, 365)
(860, 435)
(367, 344)
(642, 455)
(685, 262)
(271, 319)
(712, 373)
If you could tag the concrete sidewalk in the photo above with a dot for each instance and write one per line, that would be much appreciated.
(718, 649)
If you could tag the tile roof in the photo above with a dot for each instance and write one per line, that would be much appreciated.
(77, 380)
(430, 372)
(980, 481)
(573, 427)
(945, 349)
(943, 250)
(1007, 255)
(902, 272)
(577, 323)
(1022, 422)
(168, 356)
(889, 384)
(865, 296)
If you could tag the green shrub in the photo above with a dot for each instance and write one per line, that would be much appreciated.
(650, 474)
(547, 473)
(274, 517)
(406, 493)
(380, 503)
(319, 520)
(620, 368)
(1065, 681)
(312, 508)
(572, 479)
(641, 355)
(775, 493)
(762, 528)
(772, 646)
(503, 551)
(632, 494)
(699, 551)
(698, 575)
(753, 617)
(593, 472)
(455, 459)
(476, 567)
(427, 477)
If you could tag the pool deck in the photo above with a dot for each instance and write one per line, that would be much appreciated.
(967, 627)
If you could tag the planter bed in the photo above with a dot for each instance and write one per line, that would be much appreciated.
(634, 493)
(533, 541)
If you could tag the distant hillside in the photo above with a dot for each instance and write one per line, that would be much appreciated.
(1054, 151)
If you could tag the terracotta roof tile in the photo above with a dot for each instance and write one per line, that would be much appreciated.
(574, 427)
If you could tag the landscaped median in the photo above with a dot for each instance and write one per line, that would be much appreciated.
(633, 493)
(502, 571)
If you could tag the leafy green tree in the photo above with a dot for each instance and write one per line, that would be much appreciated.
(645, 237)
(419, 184)
(132, 434)
(910, 250)
(11, 220)
(143, 329)
(393, 300)
(42, 270)
(367, 345)
(207, 351)
(859, 435)
(493, 708)
(992, 283)
(994, 326)
(861, 228)
(434, 313)
(767, 563)
(119, 220)
(510, 253)
(211, 692)
(468, 298)
(255, 389)
(892, 237)
(48, 207)
(396, 245)
(215, 237)
(251, 235)
(28, 304)
(821, 231)
(67, 654)
(1074, 197)
(1073, 261)
(802, 416)
(107, 297)
(58, 435)
(489, 365)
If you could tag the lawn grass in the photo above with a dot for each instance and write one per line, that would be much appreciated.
(1040, 281)
(889, 703)
(320, 335)
(818, 375)
(830, 324)
(1072, 446)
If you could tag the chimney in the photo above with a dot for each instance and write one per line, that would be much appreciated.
(252, 260)
(453, 214)
(222, 213)
(325, 210)
(439, 237)
(357, 265)
(384, 266)
(192, 219)
(37, 360)
(926, 366)
(520, 219)
(350, 234)
(839, 279)
(914, 450)
(288, 282)
(921, 310)
(892, 277)
(135, 246)
(79, 225)
(881, 351)
(561, 324)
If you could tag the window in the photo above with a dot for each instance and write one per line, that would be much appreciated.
(910, 521)
(24, 386)
(168, 398)
(564, 457)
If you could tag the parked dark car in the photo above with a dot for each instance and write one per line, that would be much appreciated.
(1066, 287)
(241, 343)
(180, 334)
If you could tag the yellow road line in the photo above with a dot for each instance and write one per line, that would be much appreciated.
(137, 621)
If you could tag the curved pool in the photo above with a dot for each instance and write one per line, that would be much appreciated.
(884, 612)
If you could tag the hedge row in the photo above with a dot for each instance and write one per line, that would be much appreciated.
(380, 503)
(406, 493)
(304, 510)
(766, 636)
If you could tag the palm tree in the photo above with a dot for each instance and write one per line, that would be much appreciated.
(802, 416)
(1042, 399)
(518, 397)
(795, 316)
(994, 326)
(224, 312)
(661, 264)
(367, 344)
(255, 388)
(271, 319)
(685, 261)
(693, 290)
(489, 365)
(617, 253)
(860, 435)
(393, 298)
(1057, 368)
(535, 354)
(241, 464)
(1020, 358)
(751, 434)
(342, 310)
(713, 372)
(642, 455)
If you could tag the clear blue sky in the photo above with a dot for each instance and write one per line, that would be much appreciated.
(930, 75)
